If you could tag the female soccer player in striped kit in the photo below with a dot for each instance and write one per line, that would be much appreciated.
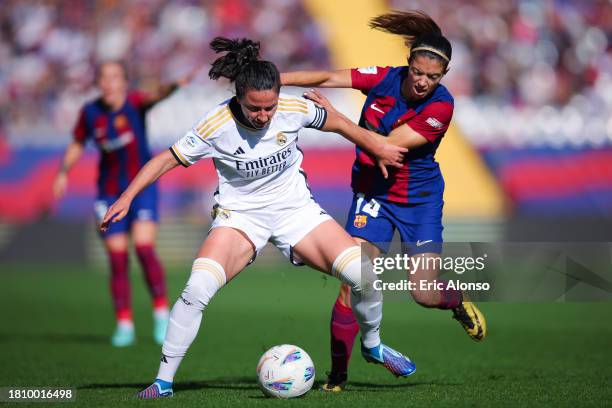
(410, 107)
(115, 122)
(262, 196)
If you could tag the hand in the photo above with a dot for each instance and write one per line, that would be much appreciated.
(318, 98)
(389, 155)
(116, 212)
(60, 184)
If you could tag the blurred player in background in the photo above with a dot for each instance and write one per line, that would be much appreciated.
(412, 109)
(116, 123)
(262, 196)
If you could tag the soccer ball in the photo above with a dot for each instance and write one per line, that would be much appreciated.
(285, 371)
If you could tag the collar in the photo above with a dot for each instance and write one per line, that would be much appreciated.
(239, 116)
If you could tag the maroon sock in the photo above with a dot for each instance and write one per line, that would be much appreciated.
(120, 285)
(154, 274)
(344, 329)
(450, 298)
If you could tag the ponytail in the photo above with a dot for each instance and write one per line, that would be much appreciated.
(420, 32)
(239, 53)
(241, 65)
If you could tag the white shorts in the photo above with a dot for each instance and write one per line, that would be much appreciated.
(283, 228)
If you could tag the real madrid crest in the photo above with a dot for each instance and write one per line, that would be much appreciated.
(281, 139)
(222, 213)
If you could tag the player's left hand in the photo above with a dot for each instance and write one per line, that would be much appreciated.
(389, 155)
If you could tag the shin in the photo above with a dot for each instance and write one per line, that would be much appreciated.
(207, 277)
(366, 303)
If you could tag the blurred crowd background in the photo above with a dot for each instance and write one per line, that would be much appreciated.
(524, 72)
(529, 73)
(49, 49)
(532, 81)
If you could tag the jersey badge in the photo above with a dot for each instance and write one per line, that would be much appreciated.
(368, 70)
(281, 139)
(435, 123)
(120, 121)
(360, 221)
(220, 212)
(190, 142)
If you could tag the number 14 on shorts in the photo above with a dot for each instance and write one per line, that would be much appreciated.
(371, 207)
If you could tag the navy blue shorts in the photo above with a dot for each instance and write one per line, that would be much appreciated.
(419, 225)
(143, 208)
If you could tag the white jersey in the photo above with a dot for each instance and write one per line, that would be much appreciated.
(257, 168)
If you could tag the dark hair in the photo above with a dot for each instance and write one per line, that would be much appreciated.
(241, 65)
(419, 31)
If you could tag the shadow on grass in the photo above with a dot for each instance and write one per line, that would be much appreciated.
(365, 387)
(238, 383)
(402, 383)
(55, 338)
(249, 383)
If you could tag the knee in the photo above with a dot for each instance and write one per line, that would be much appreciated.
(358, 277)
(347, 268)
(344, 297)
(426, 298)
(207, 277)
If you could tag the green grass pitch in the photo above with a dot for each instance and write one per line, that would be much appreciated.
(57, 321)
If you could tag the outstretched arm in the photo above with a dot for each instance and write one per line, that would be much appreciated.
(73, 152)
(386, 154)
(165, 90)
(321, 79)
(402, 136)
(154, 169)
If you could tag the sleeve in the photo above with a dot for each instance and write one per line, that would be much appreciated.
(199, 142)
(191, 148)
(141, 100)
(364, 79)
(316, 116)
(303, 112)
(80, 133)
(433, 121)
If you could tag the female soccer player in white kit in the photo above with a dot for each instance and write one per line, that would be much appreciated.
(262, 196)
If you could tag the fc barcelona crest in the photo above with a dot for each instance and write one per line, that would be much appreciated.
(120, 121)
(281, 139)
(360, 221)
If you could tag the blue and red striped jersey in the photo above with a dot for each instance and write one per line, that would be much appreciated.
(121, 138)
(420, 179)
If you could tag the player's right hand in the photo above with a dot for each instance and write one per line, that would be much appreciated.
(318, 98)
(116, 212)
(60, 184)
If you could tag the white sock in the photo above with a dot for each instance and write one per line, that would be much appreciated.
(366, 302)
(161, 313)
(125, 324)
(182, 329)
(207, 277)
